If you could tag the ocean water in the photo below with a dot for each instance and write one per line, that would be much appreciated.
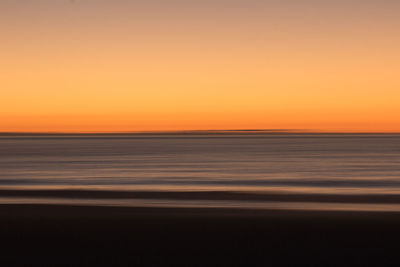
(287, 171)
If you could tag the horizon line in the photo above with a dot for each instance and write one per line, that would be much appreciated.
(201, 132)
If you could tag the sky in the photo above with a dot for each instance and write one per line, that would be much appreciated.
(157, 65)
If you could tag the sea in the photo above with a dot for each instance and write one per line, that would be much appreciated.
(352, 172)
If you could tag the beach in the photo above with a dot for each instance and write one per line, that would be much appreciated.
(200, 133)
(49, 235)
(200, 200)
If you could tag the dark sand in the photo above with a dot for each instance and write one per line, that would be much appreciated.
(49, 235)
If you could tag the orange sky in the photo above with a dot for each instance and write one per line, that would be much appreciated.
(117, 65)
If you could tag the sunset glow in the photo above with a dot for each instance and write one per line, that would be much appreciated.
(121, 66)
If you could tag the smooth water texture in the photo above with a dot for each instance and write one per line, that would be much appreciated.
(328, 171)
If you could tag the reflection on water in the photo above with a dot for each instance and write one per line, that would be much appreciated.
(256, 164)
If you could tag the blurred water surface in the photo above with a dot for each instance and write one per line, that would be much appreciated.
(305, 164)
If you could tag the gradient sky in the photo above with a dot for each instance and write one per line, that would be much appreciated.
(120, 65)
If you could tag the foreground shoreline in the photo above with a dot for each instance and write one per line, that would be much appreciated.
(116, 236)
(202, 195)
